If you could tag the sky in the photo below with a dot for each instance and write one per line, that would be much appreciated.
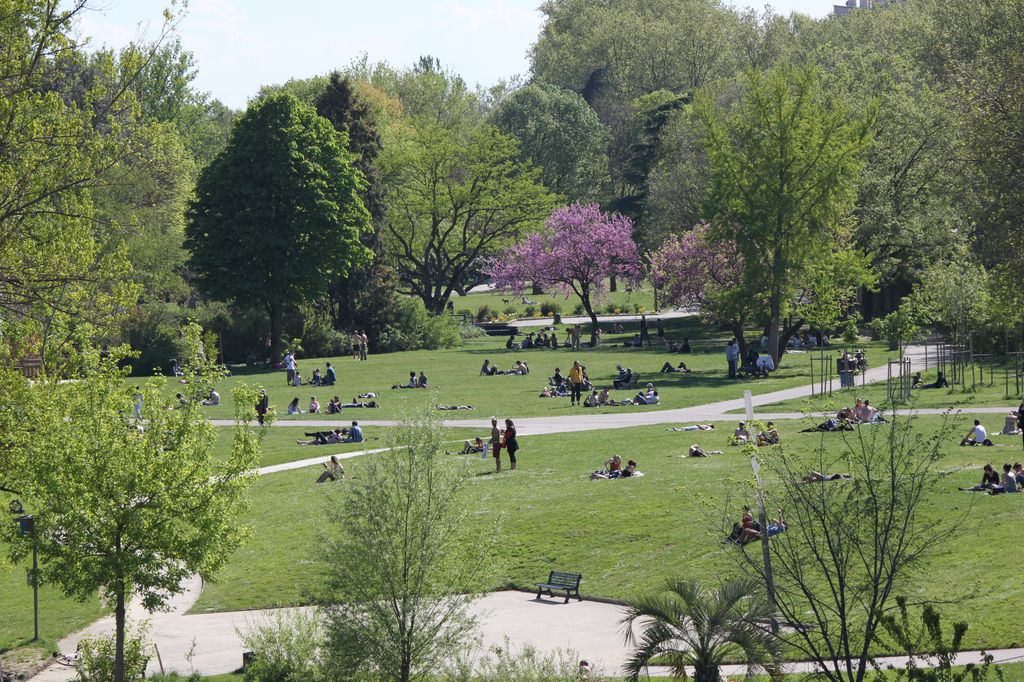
(240, 45)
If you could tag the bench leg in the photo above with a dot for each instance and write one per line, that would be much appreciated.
(538, 593)
(567, 593)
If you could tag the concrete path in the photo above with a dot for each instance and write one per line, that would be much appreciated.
(591, 630)
(605, 319)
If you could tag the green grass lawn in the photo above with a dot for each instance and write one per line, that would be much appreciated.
(980, 395)
(455, 379)
(58, 615)
(628, 536)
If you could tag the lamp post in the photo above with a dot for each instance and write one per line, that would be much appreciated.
(765, 550)
(27, 527)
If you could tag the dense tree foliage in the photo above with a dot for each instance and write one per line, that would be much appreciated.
(277, 215)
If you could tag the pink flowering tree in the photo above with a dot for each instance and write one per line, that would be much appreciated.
(576, 253)
(694, 270)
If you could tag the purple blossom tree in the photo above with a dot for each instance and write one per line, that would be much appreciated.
(579, 249)
(694, 270)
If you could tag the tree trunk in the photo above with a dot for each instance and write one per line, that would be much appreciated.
(775, 310)
(274, 311)
(612, 284)
(535, 289)
(119, 618)
(585, 300)
(708, 674)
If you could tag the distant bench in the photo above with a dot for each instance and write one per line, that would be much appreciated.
(567, 582)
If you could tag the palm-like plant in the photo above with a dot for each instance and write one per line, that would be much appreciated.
(688, 626)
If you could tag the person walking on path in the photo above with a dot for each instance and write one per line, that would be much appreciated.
(576, 337)
(496, 444)
(511, 444)
(661, 329)
(575, 383)
(732, 356)
(364, 345)
(263, 406)
(645, 336)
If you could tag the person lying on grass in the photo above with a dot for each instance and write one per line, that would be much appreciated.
(471, 446)
(333, 471)
(667, 368)
(324, 437)
(697, 451)
(830, 425)
(977, 435)
(554, 392)
(818, 477)
(371, 394)
(356, 403)
(454, 407)
(989, 480)
(694, 427)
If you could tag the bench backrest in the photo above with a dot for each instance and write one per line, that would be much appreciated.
(565, 579)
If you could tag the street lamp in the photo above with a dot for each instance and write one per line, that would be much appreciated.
(765, 551)
(27, 527)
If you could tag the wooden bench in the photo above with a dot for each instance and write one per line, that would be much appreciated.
(567, 582)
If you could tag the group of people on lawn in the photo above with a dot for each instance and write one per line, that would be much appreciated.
(1012, 480)
(576, 382)
(328, 378)
(415, 381)
(548, 340)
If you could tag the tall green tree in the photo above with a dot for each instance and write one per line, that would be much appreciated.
(782, 162)
(561, 135)
(277, 215)
(455, 197)
(129, 508)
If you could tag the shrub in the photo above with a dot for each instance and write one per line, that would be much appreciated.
(285, 647)
(611, 309)
(506, 663)
(414, 328)
(550, 308)
(97, 659)
(320, 338)
(530, 310)
(579, 310)
(483, 313)
(510, 311)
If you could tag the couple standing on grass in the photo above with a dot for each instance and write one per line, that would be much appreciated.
(506, 439)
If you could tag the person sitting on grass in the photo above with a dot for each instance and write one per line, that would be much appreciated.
(1010, 482)
(775, 526)
(521, 368)
(740, 436)
(685, 347)
(557, 379)
(212, 400)
(847, 413)
(488, 370)
(940, 382)
(454, 407)
(977, 435)
(612, 468)
(864, 413)
(647, 397)
(667, 368)
(1011, 424)
(603, 398)
(334, 405)
(316, 380)
(739, 529)
(916, 383)
(830, 425)
(421, 381)
(818, 477)
(770, 436)
(696, 451)
(355, 434)
(333, 471)
(634, 342)
(624, 378)
(330, 377)
(293, 407)
(989, 480)
(591, 400)
(629, 469)
(413, 382)
(323, 438)
(314, 405)
(511, 343)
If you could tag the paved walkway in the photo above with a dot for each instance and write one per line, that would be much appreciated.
(591, 629)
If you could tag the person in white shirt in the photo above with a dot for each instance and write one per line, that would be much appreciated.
(212, 400)
(976, 436)
(289, 365)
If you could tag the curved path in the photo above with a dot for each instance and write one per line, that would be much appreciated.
(591, 629)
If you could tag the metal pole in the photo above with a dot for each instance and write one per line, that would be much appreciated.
(35, 583)
(766, 554)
